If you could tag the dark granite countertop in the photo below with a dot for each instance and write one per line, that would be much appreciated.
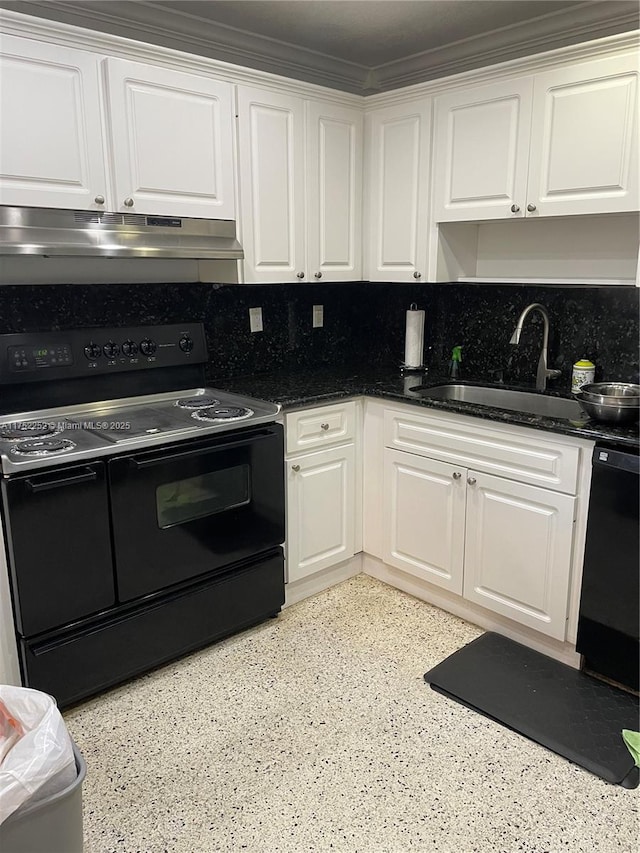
(328, 384)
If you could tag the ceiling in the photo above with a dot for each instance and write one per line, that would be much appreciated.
(360, 46)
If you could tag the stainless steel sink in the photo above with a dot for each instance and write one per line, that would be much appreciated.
(505, 398)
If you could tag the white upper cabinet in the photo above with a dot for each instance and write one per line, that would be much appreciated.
(397, 191)
(584, 144)
(334, 192)
(300, 188)
(563, 142)
(171, 141)
(51, 141)
(482, 150)
(271, 161)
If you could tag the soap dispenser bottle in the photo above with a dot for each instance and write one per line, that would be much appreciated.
(454, 364)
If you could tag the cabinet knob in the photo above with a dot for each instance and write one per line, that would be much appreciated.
(531, 208)
(99, 199)
(317, 275)
(295, 467)
(299, 275)
(457, 475)
(128, 202)
(515, 208)
(417, 274)
(471, 481)
(324, 426)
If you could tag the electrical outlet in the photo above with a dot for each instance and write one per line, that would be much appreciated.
(255, 319)
(318, 316)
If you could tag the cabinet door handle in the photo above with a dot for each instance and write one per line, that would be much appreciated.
(325, 427)
(417, 274)
(531, 208)
(457, 475)
(471, 481)
(128, 202)
(515, 208)
(317, 275)
(295, 467)
(299, 275)
(99, 199)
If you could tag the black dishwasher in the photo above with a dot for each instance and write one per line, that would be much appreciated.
(609, 619)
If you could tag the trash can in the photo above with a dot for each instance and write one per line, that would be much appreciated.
(51, 825)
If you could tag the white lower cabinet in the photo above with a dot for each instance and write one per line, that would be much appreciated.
(499, 542)
(322, 487)
(518, 551)
(320, 510)
(424, 519)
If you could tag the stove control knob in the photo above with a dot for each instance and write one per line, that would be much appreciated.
(129, 348)
(92, 351)
(110, 349)
(185, 343)
(148, 347)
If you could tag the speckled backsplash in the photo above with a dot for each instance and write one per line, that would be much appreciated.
(362, 322)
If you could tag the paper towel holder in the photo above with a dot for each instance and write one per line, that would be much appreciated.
(413, 368)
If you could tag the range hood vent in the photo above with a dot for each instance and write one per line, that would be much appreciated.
(87, 233)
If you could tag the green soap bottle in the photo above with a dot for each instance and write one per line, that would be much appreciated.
(454, 364)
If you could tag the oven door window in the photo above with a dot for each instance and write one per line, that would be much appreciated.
(182, 501)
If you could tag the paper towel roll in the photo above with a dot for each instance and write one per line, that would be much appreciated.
(414, 338)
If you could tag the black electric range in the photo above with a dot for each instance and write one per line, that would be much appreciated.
(143, 511)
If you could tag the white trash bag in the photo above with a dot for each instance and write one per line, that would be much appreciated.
(36, 755)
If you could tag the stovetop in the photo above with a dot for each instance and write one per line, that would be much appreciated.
(40, 439)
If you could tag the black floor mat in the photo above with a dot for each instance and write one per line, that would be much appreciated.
(547, 701)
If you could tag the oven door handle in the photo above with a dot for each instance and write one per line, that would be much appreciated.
(88, 475)
(191, 454)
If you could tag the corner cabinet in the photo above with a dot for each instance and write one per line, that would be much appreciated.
(300, 188)
(483, 513)
(51, 135)
(321, 460)
(398, 146)
(562, 142)
(171, 140)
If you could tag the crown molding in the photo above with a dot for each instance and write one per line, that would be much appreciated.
(628, 41)
(190, 34)
(560, 29)
(72, 35)
(406, 80)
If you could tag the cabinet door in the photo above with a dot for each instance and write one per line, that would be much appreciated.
(334, 192)
(171, 141)
(271, 145)
(481, 152)
(518, 551)
(51, 145)
(397, 178)
(320, 510)
(424, 518)
(584, 145)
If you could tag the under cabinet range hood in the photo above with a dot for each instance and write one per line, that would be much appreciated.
(98, 234)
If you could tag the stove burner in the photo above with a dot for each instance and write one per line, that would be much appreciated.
(223, 413)
(42, 446)
(26, 430)
(204, 401)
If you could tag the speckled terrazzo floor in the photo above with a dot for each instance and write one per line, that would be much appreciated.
(316, 732)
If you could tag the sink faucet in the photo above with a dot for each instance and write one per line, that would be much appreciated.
(543, 371)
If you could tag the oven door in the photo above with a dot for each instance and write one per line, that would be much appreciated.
(181, 512)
